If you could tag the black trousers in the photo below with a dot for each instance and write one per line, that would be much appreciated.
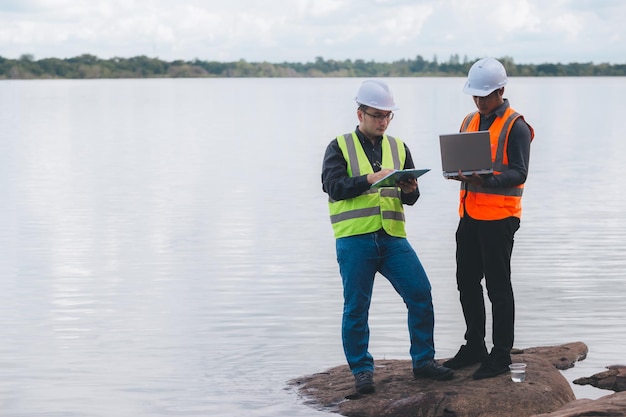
(483, 250)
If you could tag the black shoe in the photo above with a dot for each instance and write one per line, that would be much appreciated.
(493, 365)
(434, 371)
(364, 382)
(467, 356)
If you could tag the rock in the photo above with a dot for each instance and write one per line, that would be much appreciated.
(398, 394)
(613, 379)
(613, 405)
(562, 357)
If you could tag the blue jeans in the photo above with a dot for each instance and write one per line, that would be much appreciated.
(360, 257)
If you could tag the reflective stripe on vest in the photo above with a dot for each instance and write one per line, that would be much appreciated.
(484, 203)
(375, 208)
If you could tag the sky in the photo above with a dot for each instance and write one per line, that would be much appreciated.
(276, 31)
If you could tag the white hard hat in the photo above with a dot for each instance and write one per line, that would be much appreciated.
(376, 94)
(484, 77)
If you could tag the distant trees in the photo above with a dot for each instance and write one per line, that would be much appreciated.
(90, 66)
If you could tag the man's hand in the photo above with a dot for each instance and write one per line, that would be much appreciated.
(376, 176)
(408, 186)
(474, 179)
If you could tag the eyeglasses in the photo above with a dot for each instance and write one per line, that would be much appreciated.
(380, 117)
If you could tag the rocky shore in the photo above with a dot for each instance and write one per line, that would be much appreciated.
(545, 393)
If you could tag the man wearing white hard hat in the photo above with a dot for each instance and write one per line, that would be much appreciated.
(490, 210)
(368, 224)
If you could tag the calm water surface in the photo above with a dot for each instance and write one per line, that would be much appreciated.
(165, 247)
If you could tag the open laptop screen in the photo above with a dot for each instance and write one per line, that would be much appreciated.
(468, 152)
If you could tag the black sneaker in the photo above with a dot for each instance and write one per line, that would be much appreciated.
(434, 371)
(467, 356)
(364, 382)
(493, 365)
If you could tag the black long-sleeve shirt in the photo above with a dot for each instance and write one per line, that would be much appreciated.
(339, 186)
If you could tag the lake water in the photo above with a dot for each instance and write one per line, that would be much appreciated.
(165, 248)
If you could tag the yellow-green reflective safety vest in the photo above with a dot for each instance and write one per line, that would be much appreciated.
(375, 208)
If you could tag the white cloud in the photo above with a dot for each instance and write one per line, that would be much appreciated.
(516, 16)
(301, 30)
(405, 23)
(318, 8)
(569, 25)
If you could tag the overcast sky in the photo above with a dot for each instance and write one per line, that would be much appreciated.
(529, 31)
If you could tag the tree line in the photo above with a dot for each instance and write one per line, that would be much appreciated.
(89, 67)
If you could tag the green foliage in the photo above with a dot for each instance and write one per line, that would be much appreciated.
(89, 66)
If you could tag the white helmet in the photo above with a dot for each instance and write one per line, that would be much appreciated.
(484, 77)
(376, 94)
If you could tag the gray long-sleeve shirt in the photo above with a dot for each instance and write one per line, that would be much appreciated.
(518, 151)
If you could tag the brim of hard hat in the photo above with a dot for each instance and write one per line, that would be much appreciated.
(383, 108)
(478, 92)
(394, 108)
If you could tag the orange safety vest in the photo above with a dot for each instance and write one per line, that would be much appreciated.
(485, 203)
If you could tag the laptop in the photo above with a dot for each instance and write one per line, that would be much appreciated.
(468, 152)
